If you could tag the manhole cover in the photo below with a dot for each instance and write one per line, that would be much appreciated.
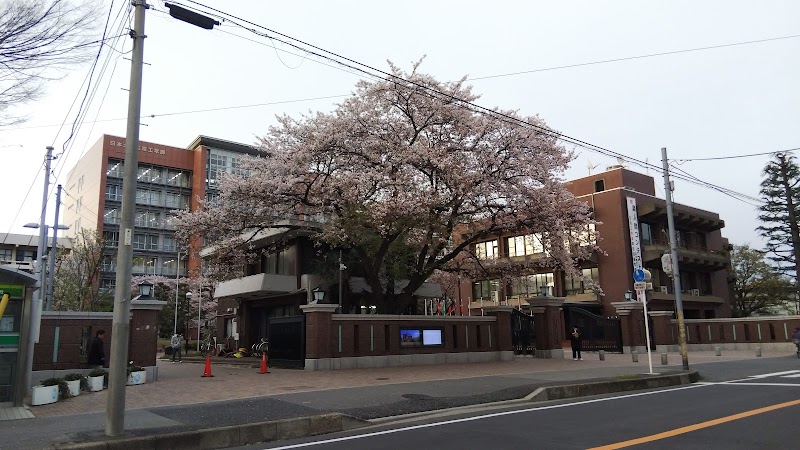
(417, 396)
(381, 379)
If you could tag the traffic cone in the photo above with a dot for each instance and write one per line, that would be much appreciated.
(264, 368)
(207, 371)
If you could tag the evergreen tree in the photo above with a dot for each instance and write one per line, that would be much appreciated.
(779, 214)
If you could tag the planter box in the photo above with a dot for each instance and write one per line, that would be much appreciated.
(96, 383)
(137, 378)
(44, 395)
(74, 387)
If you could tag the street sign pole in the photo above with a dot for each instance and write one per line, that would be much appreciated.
(642, 296)
(640, 275)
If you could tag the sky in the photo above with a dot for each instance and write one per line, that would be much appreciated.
(230, 83)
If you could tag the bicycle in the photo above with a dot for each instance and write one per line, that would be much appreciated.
(260, 347)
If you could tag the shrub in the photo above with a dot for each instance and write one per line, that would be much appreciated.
(72, 377)
(63, 388)
(98, 373)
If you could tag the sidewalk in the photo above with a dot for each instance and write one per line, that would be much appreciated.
(182, 400)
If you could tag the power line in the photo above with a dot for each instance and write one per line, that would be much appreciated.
(738, 156)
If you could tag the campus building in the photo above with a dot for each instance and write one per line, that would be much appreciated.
(19, 251)
(703, 254)
(169, 179)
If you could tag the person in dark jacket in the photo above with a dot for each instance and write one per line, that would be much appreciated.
(97, 353)
(575, 340)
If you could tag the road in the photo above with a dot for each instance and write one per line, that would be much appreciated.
(738, 405)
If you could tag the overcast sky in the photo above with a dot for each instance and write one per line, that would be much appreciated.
(718, 102)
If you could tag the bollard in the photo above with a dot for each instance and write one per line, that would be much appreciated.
(718, 351)
(602, 354)
(758, 352)
(664, 357)
(635, 356)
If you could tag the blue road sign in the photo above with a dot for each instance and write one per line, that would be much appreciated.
(638, 275)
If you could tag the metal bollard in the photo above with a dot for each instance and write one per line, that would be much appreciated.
(758, 352)
(602, 354)
(635, 356)
(718, 351)
(664, 357)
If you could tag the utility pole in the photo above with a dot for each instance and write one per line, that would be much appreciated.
(51, 275)
(36, 307)
(341, 268)
(177, 288)
(676, 274)
(115, 409)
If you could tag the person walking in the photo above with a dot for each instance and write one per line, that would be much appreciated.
(97, 352)
(575, 341)
(176, 347)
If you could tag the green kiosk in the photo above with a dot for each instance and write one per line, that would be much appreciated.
(16, 290)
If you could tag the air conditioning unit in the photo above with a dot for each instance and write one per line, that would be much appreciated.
(695, 291)
(664, 290)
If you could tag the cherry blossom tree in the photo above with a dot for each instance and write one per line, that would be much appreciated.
(404, 179)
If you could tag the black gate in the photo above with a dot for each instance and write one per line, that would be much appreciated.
(523, 336)
(287, 341)
(597, 333)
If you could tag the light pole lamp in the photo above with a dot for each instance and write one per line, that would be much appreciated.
(628, 295)
(319, 295)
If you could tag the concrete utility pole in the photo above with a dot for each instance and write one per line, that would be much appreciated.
(177, 288)
(118, 358)
(676, 274)
(51, 274)
(38, 294)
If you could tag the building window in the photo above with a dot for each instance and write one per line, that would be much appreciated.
(169, 244)
(111, 238)
(111, 216)
(108, 264)
(581, 284)
(144, 264)
(528, 285)
(145, 242)
(113, 193)
(276, 263)
(486, 250)
(177, 201)
(150, 219)
(484, 290)
(599, 186)
(107, 284)
(148, 174)
(646, 233)
(6, 254)
(114, 169)
(178, 178)
(26, 255)
(528, 244)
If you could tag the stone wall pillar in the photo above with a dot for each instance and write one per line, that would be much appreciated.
(662, 329)
(549, 326)
(631, 315)
(319, 335)
(143, 343)
(501, 332)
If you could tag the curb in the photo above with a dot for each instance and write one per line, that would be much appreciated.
(253, 433)
(231, 436)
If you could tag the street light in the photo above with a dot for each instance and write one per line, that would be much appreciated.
(319, 295)
(628, 296)
(145, 290)
(544, 290)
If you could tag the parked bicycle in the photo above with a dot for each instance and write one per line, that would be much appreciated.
(260, 348)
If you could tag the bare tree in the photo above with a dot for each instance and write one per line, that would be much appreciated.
(38, 40)
(76, 286)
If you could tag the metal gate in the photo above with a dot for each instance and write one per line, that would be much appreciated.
(287, 341)
(597, 333)
(523, 336)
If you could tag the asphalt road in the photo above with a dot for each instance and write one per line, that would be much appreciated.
(738, 405)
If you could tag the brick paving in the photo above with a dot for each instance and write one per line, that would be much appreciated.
(180, 384)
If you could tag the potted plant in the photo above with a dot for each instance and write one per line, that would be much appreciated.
(136, 374)
(46, 392)
(97, 379)
(74, 383)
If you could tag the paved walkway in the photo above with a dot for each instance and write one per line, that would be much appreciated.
(180, 399)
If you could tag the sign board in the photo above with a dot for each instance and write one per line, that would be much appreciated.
(633, 226)
(638, 275)
(640, 286)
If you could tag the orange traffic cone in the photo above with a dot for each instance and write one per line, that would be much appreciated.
(264, 368)
(207, 371)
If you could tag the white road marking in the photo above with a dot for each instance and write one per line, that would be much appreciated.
(762, 384)
(774, 374)
(488, 416)
(797, 375)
